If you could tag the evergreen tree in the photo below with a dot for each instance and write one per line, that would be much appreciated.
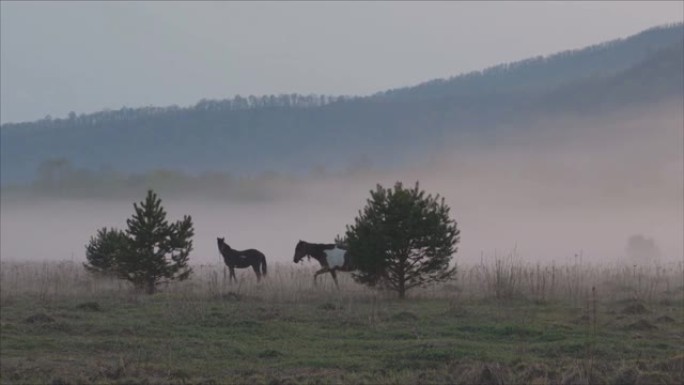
(402, 239)
(151, 249)
(103, 250)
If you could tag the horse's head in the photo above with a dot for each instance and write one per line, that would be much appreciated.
(221, 243)
(301, 250)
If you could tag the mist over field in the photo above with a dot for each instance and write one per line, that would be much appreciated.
(575, 154)
(553, 132)
(569, 186)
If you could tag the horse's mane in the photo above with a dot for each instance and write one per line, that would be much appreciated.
(224, 248)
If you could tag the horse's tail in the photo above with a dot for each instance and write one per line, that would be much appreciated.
(263, 265)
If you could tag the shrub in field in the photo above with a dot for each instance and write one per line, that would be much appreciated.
(403, 238)
(641, 250)
(103, 250)
(151, 248)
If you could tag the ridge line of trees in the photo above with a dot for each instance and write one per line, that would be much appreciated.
(237, 103)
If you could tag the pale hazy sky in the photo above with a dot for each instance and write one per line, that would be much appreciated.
(85, 56)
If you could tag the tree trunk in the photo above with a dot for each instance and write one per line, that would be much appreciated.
(402, 288)
(402, 276)
(151, 287)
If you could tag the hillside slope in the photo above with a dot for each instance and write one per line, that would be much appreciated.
(293, 133)
(544, 73)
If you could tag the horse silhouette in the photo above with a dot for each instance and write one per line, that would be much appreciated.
(240, 259)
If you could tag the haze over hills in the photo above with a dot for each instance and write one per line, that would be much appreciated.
(295, 134)
(574, 152)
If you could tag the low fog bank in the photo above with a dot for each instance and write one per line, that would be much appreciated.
(568, 186)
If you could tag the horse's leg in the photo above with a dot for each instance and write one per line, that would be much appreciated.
(256, 271)
(321, 271)
(232, 274)
(334, 274)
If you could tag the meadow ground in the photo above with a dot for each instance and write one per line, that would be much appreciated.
(503, 322)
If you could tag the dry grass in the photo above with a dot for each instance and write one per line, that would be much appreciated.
(500, 278)
(502, 321)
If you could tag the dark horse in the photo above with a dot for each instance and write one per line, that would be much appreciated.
(330, 256)
(241, 259)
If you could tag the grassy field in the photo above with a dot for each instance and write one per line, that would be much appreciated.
(499, 323)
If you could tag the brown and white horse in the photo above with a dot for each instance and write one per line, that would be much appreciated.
(331, 257)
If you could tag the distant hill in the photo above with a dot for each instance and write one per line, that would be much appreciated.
(296, 133)
(543, 73)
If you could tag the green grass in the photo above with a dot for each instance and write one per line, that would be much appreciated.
(170, 338)
(286, 331)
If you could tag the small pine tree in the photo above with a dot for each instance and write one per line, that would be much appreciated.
(402, 239)
(151, 249)
(103, 250)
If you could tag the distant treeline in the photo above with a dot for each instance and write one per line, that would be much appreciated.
(59, 179)
(236, 103)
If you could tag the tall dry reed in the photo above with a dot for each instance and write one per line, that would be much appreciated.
(503, 278)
